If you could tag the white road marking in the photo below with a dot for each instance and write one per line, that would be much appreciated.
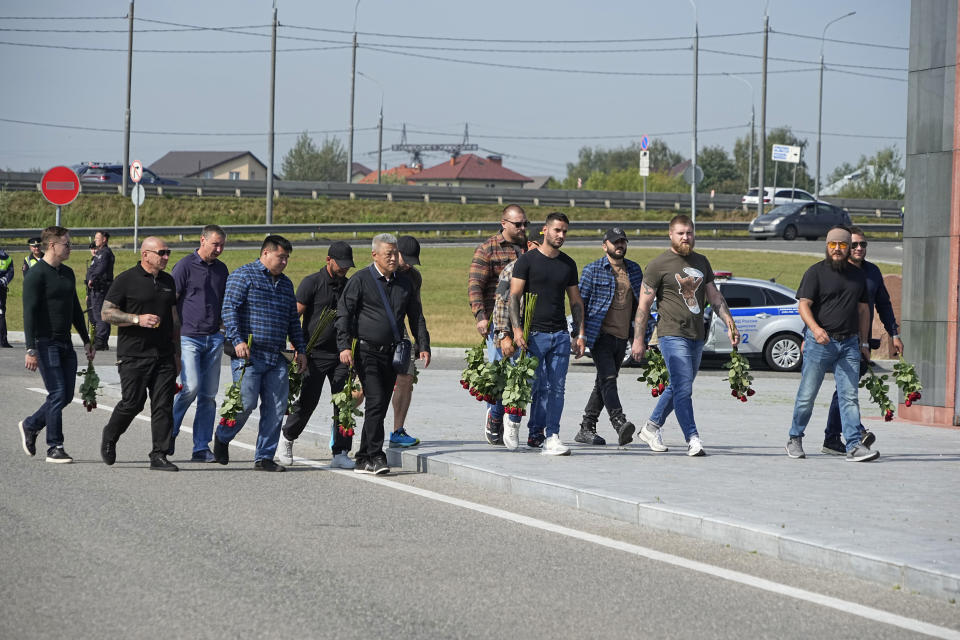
(844, 606)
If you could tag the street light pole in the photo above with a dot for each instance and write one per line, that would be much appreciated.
(353, 86)
(763, 118)
(273, 100)
(126, 113)
(820, 103)
(693, 156)
(752, 114)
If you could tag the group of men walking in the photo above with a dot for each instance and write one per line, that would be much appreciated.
(180, 323)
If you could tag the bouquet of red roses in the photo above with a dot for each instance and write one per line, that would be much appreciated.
(517, 374)
(878, 387)
(233, 402)
(907, 380)
(653, 371)
(89, 386)
(739, 376)
(347, 401)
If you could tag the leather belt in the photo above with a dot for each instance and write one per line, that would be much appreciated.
(840, 337)
(380, 348)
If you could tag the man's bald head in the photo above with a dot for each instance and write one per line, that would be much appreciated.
(154, 255)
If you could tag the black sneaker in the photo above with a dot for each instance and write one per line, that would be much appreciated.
(867, 438)
(624, 429)
(108, 449)
(221, 451)
(833, 448)
(493, 430)
(58, 455)
(362, 465)
(160, 463)
(586, 435)
(28, 439)
(267, 465)
(536, 441)
(378, 467)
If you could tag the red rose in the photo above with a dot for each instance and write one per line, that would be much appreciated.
(750, 392)
(743, 398)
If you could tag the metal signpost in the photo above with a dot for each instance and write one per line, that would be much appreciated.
(60, 186)
(784, 153)
(137, 194)
(644, 166)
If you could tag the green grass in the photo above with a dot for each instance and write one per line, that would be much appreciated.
(444, 272)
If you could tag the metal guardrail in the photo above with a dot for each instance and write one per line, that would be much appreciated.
(367, 229)
(195, 187)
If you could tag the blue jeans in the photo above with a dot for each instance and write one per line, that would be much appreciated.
(682, 357)
(57, 362)
(494, 355)
(818, 359)
(546, 405)
(269, 384)
(200, 377)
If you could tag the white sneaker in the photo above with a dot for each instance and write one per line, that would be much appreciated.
(650, 433)
(342, 461)
(285, 450)
(695, 447)
(552, 446)
(511, 435)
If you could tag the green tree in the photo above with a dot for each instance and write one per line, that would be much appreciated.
(780, 135)
(719, 170)
(882, 179)
(305, 162)
(662, 158)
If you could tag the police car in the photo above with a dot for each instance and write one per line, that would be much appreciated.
(767, 316)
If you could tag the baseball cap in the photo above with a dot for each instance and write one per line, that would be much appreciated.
(613, 234)
(342, 253)
(409, 248)
(33, 242)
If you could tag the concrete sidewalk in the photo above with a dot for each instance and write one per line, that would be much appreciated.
(894, 521)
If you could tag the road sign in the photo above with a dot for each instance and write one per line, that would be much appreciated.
(785, 153)
(688, 174)
(136, 171)
(644, 171)
(137, 194)
(644, 142)
(60, 186)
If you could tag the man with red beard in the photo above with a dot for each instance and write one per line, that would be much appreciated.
(834, 306)
(680, 280)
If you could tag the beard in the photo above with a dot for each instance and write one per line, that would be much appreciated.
(837, 263)
(683, 249)
(616, 254)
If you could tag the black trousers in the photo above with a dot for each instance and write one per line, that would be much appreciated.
(607, 353)
(101, 329)
(375, 369)
(320, 367)
(3, 315)
(138, 377)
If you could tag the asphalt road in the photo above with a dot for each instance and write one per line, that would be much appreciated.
(91, 551)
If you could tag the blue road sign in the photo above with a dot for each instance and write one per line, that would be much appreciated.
(644, 142)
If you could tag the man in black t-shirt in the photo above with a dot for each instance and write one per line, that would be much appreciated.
(551, 275)
(834, 306)
(142, 301)
(319, 291)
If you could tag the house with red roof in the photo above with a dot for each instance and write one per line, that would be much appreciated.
(469, 170)
(397, 175)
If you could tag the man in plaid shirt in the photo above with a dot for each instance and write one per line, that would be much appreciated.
(260, 301)
(610, 288)
(488, 262)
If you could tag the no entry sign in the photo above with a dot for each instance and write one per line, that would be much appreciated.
(60, 186)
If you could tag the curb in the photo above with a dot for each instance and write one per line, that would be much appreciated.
(849, 560)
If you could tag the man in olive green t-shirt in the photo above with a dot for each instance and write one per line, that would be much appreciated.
(681, 282)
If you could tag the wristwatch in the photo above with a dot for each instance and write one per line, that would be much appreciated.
(500, 335)
(136, 319)
(864, 345)
(32, 352)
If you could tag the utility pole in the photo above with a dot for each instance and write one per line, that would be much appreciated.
(816, 187)
(380, 144)
(763, 117)
(273, 91)
(126, 113)
(353, 87)
(752, 115)
(693, 155)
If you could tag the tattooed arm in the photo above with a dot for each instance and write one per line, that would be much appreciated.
(647, 296)
(114, 315)
(721, 309)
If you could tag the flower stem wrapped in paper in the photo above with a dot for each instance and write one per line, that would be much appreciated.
(347, 401)
(518, 373)
(232, 405)
(324, 320)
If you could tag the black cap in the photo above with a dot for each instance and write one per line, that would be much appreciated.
(33, 242)
(342, 253)
(409, 249)
(613, 234)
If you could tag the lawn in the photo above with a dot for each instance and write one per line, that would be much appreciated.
(444, 272)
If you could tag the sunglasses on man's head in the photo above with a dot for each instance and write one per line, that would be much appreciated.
(837, 245)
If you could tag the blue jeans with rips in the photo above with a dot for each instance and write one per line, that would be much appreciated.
(494, 354)
(269, 384)
(682, 357)
(57, 362)
(200, 377)
(844, 359)
(546, 405)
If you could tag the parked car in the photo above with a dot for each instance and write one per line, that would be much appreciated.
(807, 219)
(767, 316)
(777, 196)
(113, 174)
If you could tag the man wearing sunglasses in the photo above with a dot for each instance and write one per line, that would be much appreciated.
(142, 302)
(488, 262)
(879, 299)
(833, 304)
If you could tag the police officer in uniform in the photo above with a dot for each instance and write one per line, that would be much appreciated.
(35, 254)
(6, 276)
(99, 278)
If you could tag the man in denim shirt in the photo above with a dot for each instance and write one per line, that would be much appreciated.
(201, 281)
(260, 301)
(610, 288)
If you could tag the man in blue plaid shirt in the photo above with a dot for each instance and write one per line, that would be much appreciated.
(260, 301)
(610, 288)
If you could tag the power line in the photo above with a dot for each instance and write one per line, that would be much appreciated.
(850, 42)
(181, 51)
(796, 61)
(174, 30)
(865, 75)
(123, 17)
(179, 133)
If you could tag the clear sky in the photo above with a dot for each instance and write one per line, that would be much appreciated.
(636, 60)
